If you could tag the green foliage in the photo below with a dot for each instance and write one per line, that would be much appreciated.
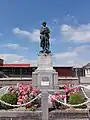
(77, 98)
(56, 104)
(32, 108)
(9, 98)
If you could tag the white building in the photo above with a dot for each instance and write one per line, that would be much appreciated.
(86, 78)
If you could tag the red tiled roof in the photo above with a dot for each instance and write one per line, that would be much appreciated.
(14, 65)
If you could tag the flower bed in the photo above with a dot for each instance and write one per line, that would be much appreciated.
(71, 97)
(21, 95)
(25, 97)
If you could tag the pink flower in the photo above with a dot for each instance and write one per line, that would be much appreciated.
(37, 90)
(24, 101)
(19, 97)
(77, 89)
(71, 89)
(32, 93)
(66, 90)
(35, 94)
(12, 92)
(57, 93)
(25, 88)
(34, 89)
(24, 92)
(57, 97)
(21, 91)
(10, 89)
(20, 101)
(65, 86)
(20, 88)
(63, 97)
(26, 96)
(20, 85)
(23, 97)
(53, 98)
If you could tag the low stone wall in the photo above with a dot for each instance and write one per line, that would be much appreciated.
(37, 115)
(69, 115)
(12, 82)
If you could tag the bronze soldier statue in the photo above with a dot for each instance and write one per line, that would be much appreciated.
(44, 37)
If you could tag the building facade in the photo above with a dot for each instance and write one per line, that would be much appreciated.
(65, 73)
(25, 70)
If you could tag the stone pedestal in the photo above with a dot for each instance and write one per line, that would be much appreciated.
(45, 77)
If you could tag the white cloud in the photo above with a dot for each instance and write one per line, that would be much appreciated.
(13, 46)
(82, 49)
(15, 58)
(9, 58)
(65, 55)
(74, 57)
(77, 34)
(77, 56)
(32, 36)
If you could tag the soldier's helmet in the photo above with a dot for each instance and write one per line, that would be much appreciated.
(44, 23)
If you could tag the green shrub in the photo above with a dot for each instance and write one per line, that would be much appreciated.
(9, 98)
(77, 98)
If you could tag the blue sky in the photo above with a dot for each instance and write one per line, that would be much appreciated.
(68, 20)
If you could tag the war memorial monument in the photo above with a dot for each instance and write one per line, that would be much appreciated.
(45, 76)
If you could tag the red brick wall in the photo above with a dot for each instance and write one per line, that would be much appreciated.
(64, 71)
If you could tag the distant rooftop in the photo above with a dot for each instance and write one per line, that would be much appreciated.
(15, 65)
(87, 65)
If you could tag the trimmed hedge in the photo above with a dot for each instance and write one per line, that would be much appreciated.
(77, 98)
(9, 98)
